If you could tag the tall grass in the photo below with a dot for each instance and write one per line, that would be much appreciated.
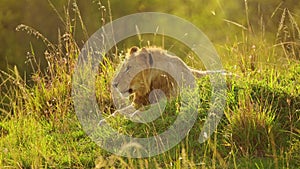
(260, 129)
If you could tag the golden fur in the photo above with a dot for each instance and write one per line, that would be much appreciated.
(142, 72)
(159, 80)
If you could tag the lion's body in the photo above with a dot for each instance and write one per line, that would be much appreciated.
(147, 75)
(151, 68)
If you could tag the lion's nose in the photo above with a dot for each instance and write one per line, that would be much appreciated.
(115, 85)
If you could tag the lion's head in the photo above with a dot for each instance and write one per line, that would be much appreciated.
(136, 61)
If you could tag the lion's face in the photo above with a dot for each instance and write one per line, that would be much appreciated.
(131, 77)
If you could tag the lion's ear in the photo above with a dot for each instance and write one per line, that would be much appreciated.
(147, 57)
(133, 50)
(144, 56)
(144, 50)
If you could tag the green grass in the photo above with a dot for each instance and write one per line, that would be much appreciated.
(260, 127)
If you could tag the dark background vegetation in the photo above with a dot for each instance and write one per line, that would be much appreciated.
(222, 21)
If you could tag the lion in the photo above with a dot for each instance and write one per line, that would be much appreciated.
(142, 72)
(146, 70)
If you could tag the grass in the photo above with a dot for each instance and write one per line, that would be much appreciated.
(260, 128)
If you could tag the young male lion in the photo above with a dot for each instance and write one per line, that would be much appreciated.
(147, 69)
(148, 75)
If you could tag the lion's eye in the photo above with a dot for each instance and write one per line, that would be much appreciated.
(127, 68)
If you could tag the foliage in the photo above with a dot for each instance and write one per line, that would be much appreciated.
(260, 128)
